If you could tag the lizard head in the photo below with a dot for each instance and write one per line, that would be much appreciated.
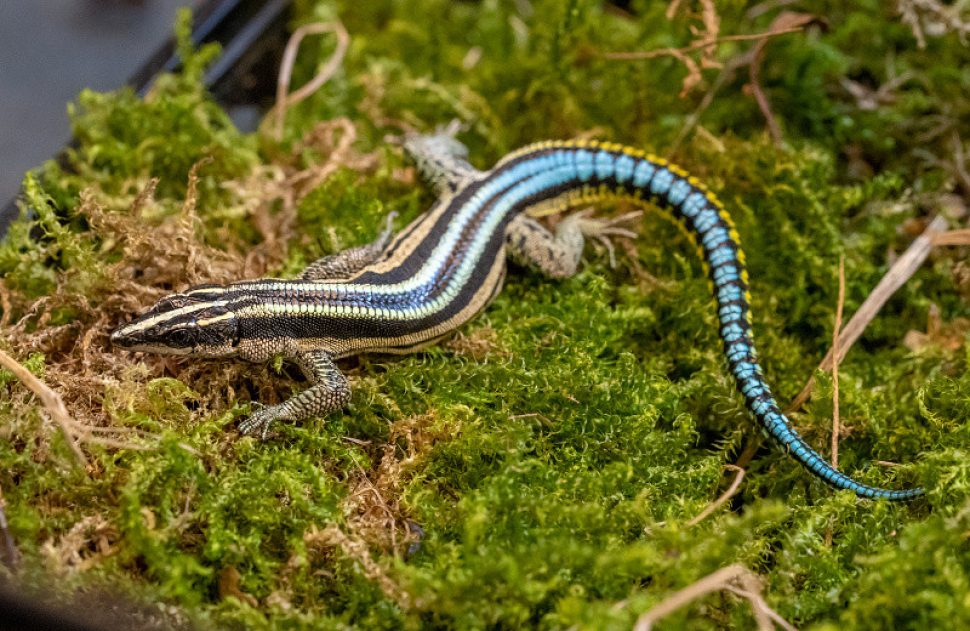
(198, 322)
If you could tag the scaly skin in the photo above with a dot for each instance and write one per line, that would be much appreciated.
(398, 295)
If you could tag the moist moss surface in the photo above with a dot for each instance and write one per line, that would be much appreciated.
(544, 468)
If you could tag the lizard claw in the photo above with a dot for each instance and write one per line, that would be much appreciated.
(384, 238)
(391, 216)
(388, 231)
(259, 423)
(451, 129)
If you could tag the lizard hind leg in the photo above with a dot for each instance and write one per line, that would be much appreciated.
(557, 255)
(441, 159)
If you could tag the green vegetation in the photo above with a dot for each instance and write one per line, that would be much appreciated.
(557, 450)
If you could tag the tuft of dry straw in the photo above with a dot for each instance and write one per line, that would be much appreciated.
(74, 432)
(356, 549)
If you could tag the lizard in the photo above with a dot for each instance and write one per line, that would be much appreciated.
(403, 292)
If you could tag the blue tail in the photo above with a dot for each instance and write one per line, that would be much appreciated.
(609, 170)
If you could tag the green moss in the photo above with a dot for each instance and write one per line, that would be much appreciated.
(555, 455)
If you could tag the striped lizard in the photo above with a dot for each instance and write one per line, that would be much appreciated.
(401, 293)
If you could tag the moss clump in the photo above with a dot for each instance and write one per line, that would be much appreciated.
(552, 458)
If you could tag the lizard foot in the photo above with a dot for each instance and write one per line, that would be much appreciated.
(259, 423)
(602, 229)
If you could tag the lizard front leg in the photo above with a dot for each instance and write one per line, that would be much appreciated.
(350, 261)
(329, 390)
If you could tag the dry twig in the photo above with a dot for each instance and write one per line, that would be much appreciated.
(284, 99)
(786, 22)
(734, 578)
(934, 16)
(9, 553)
(960, 236)
(757, 603)
(747, 455)
(904, 267)
(728, 494)
(52, 404)
(835, 386)
(835, 367)
(697, 45)
(707, 43)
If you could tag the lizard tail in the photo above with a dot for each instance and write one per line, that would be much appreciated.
(606, 170)
(711, 227)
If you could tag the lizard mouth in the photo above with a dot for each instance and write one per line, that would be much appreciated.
(121, 336)
(129, 338)
(133, 337)
(136, 341)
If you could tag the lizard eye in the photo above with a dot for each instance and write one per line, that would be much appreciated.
(181, 338)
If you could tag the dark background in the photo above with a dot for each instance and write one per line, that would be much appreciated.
(52, 49)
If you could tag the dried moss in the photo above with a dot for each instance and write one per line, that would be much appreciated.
(555, 453)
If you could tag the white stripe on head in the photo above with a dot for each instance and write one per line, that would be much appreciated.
(168, 316)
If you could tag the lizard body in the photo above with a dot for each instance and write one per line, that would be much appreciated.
(402, 293)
